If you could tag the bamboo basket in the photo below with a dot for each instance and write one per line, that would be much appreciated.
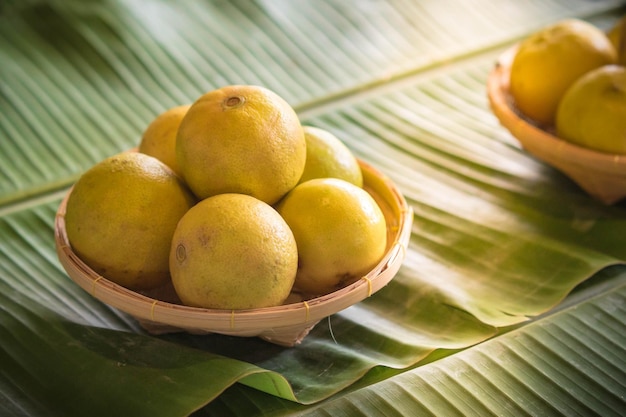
(601, 175)
(159, 311)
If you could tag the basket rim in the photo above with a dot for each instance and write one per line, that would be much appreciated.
(532, 136)
(309, 311)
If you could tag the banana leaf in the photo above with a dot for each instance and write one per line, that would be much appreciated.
(557, 365)
(502, 246)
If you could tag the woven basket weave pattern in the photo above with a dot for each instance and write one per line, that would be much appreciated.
(159, 311)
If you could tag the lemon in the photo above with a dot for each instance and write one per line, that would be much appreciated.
(340, 232)
(550, 60)
(159, 137)
(328, 157)
(233, 251)
(617, 36)
(592, 112)
(121, 215)
(241, 139)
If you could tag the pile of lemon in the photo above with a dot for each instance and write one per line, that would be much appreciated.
(233, 202)
(569, 78)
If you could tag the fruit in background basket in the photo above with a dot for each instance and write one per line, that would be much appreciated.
(241, 139)
(549, 61)
(340, 232)
(592, 112)
(617, 36)
(233, 251)
(328, 157)
(121, 215)
(159, 138)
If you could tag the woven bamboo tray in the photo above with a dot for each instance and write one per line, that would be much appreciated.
(601, 175)
(159, 311)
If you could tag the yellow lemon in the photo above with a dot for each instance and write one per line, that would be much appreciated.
(233, 251)
(549, 61)
(340, 232)
(159, 138)
(328, 157)
(592, 112)
(241, 139)
(121, 215)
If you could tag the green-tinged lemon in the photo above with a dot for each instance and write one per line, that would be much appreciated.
(241, 139)
(159, 138)
(233, 251)
(340, 232)
(593, 111)
(121, 215)
(328, 157)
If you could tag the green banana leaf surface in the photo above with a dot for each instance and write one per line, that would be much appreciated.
(510, 300)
